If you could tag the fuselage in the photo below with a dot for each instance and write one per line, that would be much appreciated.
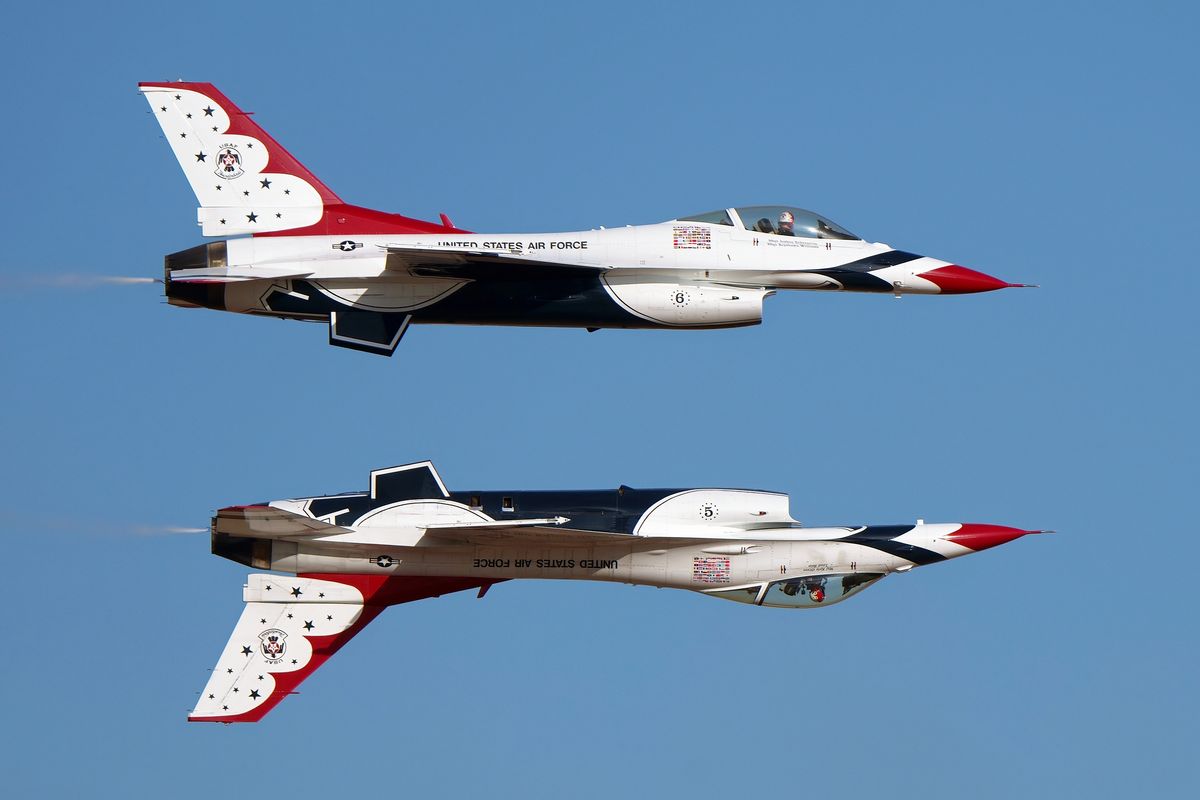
(743, 568)
(731, 543)
(676, 274)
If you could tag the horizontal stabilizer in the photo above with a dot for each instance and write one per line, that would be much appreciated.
(424, 262)
(242, 273)
(290, 626)
(266, 522)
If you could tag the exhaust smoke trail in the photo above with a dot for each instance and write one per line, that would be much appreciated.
(154, 530)
(124, 279)
(69, 526)
(69, 281)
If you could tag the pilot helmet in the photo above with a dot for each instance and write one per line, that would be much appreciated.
(786, 219)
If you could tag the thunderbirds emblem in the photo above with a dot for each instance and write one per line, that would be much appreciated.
(229, 163)
(273, 644)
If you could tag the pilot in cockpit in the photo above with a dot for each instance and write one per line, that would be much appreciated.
(786, 222)
(816, 589)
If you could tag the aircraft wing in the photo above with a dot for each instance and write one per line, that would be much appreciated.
(542, 532)
(270, 523)
(426, 262)
(291, 625)
(536, 534)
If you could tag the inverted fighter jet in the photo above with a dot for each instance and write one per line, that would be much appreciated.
(287, 246)
(349, 556)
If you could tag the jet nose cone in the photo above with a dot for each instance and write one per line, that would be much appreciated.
(981, 537)
(953, 279)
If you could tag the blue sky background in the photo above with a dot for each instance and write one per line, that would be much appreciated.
(1049, 143)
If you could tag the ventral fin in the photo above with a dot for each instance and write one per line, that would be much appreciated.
(368, 331)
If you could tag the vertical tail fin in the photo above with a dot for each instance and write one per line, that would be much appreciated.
(243, 179)
(291, 625)
(286, 631)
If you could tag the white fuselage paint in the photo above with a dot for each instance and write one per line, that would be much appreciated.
(733, 257)
(642, 563)
(752, 529)
(643, 268)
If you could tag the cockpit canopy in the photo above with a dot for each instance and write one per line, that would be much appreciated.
(812, 591)
(776, 220)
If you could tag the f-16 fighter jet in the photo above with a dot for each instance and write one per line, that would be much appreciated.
(287, 246)
(349, 556)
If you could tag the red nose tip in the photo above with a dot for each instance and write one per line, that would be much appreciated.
(981, 537)
(954, 279)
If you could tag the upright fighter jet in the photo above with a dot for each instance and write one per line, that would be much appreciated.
(349, 556)
(287, 246)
